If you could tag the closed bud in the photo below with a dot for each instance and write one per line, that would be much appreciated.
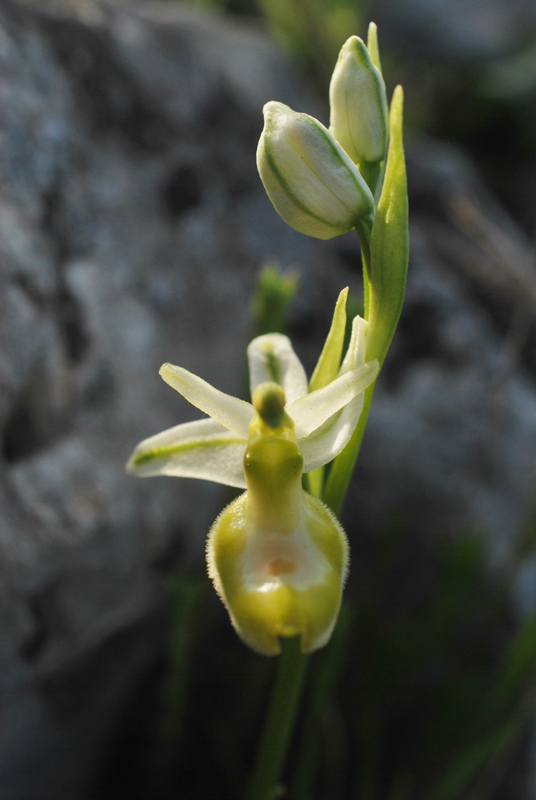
(313, 184)
(358, 106)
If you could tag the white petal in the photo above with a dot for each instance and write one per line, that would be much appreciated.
(311, 411)
(203, 449)
(271, 358)
(232, 413)
(355, 355)
(324, 444)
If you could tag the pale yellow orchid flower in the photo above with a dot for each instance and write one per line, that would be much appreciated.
(277, 556)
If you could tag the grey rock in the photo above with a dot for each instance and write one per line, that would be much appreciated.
(127, 141)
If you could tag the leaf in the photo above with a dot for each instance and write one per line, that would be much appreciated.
(330, 357)
(389, 242)
(372, 45)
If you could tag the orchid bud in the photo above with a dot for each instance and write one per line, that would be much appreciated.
(358, 118)
(277, 556)
(311, 181)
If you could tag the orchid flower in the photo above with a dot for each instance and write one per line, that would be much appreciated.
(277, 556)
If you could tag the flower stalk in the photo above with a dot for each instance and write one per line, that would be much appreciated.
(280, 721)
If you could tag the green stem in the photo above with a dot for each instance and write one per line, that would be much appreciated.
(370, 170)
(342, 468)
(279, 723)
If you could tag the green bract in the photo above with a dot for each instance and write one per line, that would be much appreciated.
(389, 242)
(358, 117)
(313, 184)
(277, 556)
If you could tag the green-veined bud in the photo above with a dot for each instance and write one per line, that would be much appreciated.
(277, 556)
(313, 184)
(358, 106)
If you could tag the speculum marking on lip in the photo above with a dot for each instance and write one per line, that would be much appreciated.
(280, 566)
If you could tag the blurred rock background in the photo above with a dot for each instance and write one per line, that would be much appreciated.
(133, 227)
